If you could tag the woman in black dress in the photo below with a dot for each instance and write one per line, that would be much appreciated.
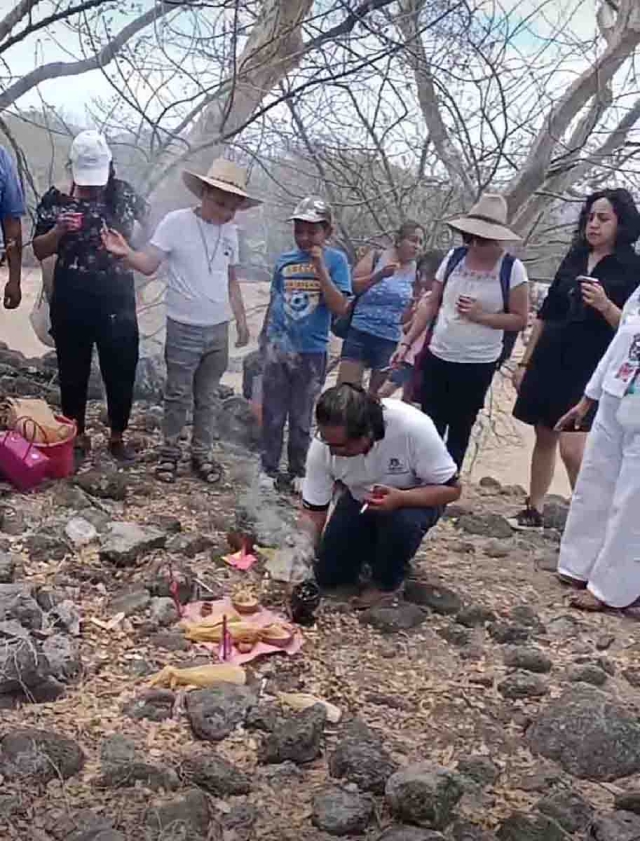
(575, 325)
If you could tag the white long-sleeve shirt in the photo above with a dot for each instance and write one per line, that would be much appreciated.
(621, 362)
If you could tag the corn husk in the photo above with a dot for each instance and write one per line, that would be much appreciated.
(302, 701)
(238, 631)
(200, 676)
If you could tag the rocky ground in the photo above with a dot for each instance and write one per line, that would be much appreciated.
(478, 707)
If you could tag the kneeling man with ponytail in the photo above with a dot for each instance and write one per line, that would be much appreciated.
(397, 477)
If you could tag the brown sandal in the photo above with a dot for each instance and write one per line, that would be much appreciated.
(587, 601)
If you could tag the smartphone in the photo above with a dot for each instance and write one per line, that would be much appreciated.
(585, 278)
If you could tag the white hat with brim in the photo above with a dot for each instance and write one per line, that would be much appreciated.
(90, 158)
(223, 175)
(487, 219)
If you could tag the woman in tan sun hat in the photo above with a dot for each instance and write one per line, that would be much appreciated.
(480, 292)
(200, 248)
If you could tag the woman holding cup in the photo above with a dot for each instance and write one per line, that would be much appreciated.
(93, 300)
(468, 305)
(575, 325)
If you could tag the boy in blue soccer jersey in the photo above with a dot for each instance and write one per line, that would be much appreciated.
(310, 284)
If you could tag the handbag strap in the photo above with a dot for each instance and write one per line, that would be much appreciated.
(27, 419)
(31, 442)
(377, 254)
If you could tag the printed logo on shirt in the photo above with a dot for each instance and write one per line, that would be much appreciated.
(396, 466)
(301, 294)
(628, 368)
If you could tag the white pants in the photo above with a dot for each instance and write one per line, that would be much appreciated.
(601, 542)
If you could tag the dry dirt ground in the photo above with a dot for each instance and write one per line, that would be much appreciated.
(426, 697)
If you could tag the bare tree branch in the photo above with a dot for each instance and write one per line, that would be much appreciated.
(408, 24)
(622, 43)
(63, 14)
(13, 18)
(57, 69)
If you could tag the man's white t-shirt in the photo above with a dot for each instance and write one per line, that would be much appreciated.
(198, 255)
(455, 338)
(410, 455)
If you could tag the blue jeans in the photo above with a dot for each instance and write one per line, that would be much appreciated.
(386, 541)
(373, 351)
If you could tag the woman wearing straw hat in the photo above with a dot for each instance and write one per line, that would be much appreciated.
(480, 292)
(575, 325)
(200, 247)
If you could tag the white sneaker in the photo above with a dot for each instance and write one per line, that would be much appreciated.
(266, 482)
(297, 483)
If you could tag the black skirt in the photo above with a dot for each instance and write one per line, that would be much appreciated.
(559, 370)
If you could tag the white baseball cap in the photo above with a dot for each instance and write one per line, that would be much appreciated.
(90, 159)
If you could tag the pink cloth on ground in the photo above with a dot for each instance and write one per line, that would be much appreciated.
(240, 560)
(260, 618)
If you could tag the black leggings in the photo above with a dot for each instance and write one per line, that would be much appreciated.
(452, 394)
(115, 334)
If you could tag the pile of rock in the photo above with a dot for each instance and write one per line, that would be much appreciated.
(39, 655)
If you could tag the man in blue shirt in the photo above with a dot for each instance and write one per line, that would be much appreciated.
(310, 284)
(11, 211)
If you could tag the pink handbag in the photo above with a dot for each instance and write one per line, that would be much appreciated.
(20, 462)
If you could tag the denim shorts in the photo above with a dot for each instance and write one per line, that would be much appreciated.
(373, 351)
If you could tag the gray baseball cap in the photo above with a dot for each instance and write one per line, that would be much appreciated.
(312, 209)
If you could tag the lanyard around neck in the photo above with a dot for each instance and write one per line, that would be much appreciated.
(209, 257)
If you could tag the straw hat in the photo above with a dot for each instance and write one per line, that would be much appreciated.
(226, 176)
(487, 219)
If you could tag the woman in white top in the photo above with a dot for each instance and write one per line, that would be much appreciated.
(601, 543)
(467, 339)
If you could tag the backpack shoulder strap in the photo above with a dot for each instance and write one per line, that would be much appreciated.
(506, 267)
(457, 256)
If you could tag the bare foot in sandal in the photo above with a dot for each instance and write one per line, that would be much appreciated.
(587, 601)
(372, 596)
